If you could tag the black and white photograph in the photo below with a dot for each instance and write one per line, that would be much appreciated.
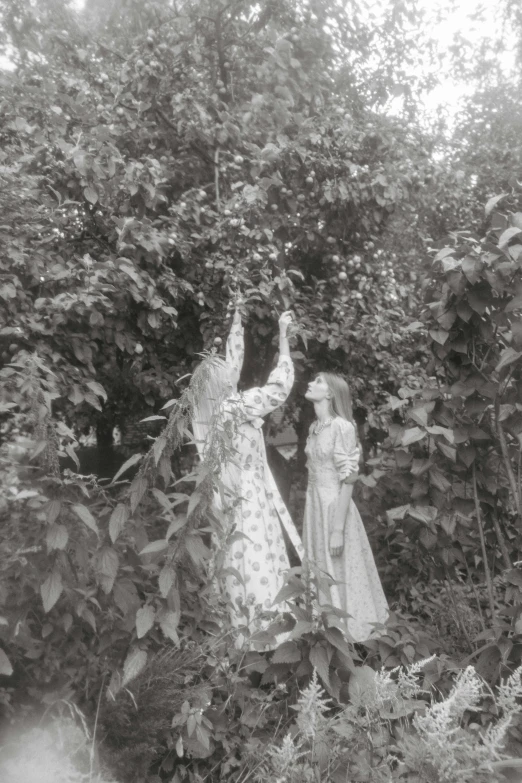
(260, 391)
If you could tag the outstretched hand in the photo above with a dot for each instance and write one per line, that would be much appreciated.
(237, 304)
(285, 319)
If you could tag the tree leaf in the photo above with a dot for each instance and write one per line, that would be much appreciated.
(444, 252)
(196, 549)
(118, 520)
(478, 301)
(159, 445)
(126, 596)
(397, 513)
(412, 435)
(126, 465)
(287, 652)
(472, 267)
(90, 194)
(507, 236)
(492, 203)
(439, 335)
(319, 660)
(85, 515)
(57, 537)
(336, 638)
(137, 490)
(6, 668)
(439, 480)
(155, 546)
(467, 454)
(107, 563)
(134, 664)
(419, 415)
(514, 304)
(195, 500)
(507, 357)
(292, 589)
(144, 620)
(53, 510)
(168, 622)
(449, 451)
(423, 513)
(51, 590)
(437, 430)
(98, 389)
(448, 523)
(395, 402)
(176, 524)
(166, 579)
(73, 455)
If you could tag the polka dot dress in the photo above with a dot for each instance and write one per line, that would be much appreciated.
(256, 560)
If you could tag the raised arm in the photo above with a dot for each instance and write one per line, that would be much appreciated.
(262, 400)
(284, 322)
(235, 352)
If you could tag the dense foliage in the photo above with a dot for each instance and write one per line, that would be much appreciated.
(153, 163)
(155, 159)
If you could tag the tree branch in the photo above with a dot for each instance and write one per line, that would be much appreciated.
(216, 178)
(501, 541)
(489, 583)
(507, 462)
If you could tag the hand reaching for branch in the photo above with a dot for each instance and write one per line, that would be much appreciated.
(285, 319)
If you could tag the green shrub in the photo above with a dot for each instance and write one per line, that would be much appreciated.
(393, 731)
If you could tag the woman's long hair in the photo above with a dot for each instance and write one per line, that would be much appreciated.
(341, 401)
(213, 389)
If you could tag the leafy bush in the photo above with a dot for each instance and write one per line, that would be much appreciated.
(391, 732)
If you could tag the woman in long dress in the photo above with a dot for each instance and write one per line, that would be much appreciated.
(335, 541)
(255, 558)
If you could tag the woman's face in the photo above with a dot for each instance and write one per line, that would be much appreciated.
(318, 390)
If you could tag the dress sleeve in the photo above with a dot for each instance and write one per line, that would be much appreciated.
(236, 348)
(346, 451)
(262, 400)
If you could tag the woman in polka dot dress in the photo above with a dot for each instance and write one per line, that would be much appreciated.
(334, 537)
(256, 555)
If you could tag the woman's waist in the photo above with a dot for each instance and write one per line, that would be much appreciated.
(323, 475)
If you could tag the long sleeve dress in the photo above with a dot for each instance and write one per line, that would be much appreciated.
(332, 456)
(257, 557)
